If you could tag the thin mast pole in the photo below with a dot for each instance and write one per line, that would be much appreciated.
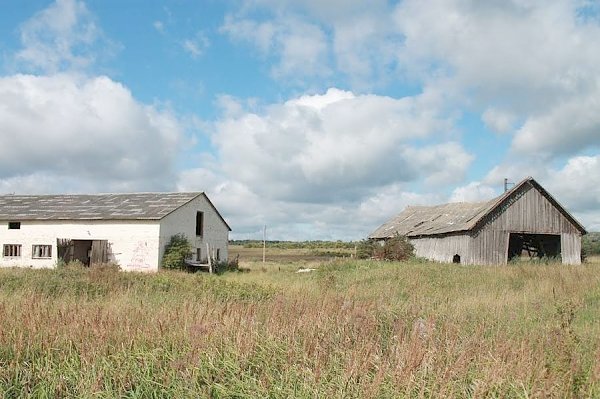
(264, 243)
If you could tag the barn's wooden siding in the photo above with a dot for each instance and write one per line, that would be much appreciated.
(570, 248)
(489, 247)
(443, 249)
(527, 211)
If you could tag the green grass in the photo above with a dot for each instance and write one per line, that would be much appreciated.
(349, 329)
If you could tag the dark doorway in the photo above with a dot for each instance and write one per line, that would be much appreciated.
(530, 246)
(456, 258)
(88, 252)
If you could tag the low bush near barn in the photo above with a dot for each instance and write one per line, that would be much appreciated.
(176, 252)
(396, 248)
(349, 329)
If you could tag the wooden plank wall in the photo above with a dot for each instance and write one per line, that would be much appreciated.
(443, 249)
(570, 248)
(528, 212)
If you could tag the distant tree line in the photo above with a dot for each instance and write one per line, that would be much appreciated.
(318, 244)
(590, 244)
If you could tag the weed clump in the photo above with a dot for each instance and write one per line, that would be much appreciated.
(397, 248)
(232, 265)
(177, 251)
(365, 249)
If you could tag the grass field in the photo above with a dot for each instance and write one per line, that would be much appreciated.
(350, 328)
(288, 255)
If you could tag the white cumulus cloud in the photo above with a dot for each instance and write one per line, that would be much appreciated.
(335, 145)
(63, 36)
(77, 130)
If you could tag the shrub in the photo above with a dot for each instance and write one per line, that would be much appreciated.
(227, 266)
(590, 243)
(176, 252)
(365, 249)
(396, 248)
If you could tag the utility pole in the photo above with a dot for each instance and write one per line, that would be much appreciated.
(264, 243)
(506, 184)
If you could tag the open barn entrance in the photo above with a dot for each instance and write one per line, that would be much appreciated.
(530, 246)
(88, 252)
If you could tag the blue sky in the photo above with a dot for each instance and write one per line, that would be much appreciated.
(318, 119)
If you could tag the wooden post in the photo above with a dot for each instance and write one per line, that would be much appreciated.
(264, 243)
(210, 270)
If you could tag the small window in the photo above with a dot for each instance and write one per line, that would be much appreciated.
(199, 223)
(218, 254)
(14, 225)
(198, 254)
(12, 250)
(41, 252)
(456, 258)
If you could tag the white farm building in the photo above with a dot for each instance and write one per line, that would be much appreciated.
(131, 230)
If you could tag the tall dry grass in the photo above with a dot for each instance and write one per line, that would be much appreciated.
(349, 329)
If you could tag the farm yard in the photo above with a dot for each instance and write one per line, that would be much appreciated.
(348, 329)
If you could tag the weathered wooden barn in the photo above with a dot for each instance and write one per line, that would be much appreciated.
(129, 229)
(524, 220)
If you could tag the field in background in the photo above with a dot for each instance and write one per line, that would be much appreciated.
(360, 329)
(288, 252)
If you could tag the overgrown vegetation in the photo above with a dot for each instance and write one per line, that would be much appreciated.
(176, 252)
(351, 329)
(397, 248)
(231, 265)
(590, 244)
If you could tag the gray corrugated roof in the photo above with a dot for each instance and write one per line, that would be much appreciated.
(426, 220)
(462, 216)
(135, 206)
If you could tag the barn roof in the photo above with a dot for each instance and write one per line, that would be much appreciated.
(429, 220)
(455, 217)
(134, 206)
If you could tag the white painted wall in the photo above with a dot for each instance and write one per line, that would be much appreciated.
(133, 244)
(183, 220)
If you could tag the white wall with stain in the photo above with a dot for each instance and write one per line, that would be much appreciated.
(134, 244)
(183, 220)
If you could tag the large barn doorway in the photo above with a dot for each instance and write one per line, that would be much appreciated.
(88, 252)
(533, 246)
